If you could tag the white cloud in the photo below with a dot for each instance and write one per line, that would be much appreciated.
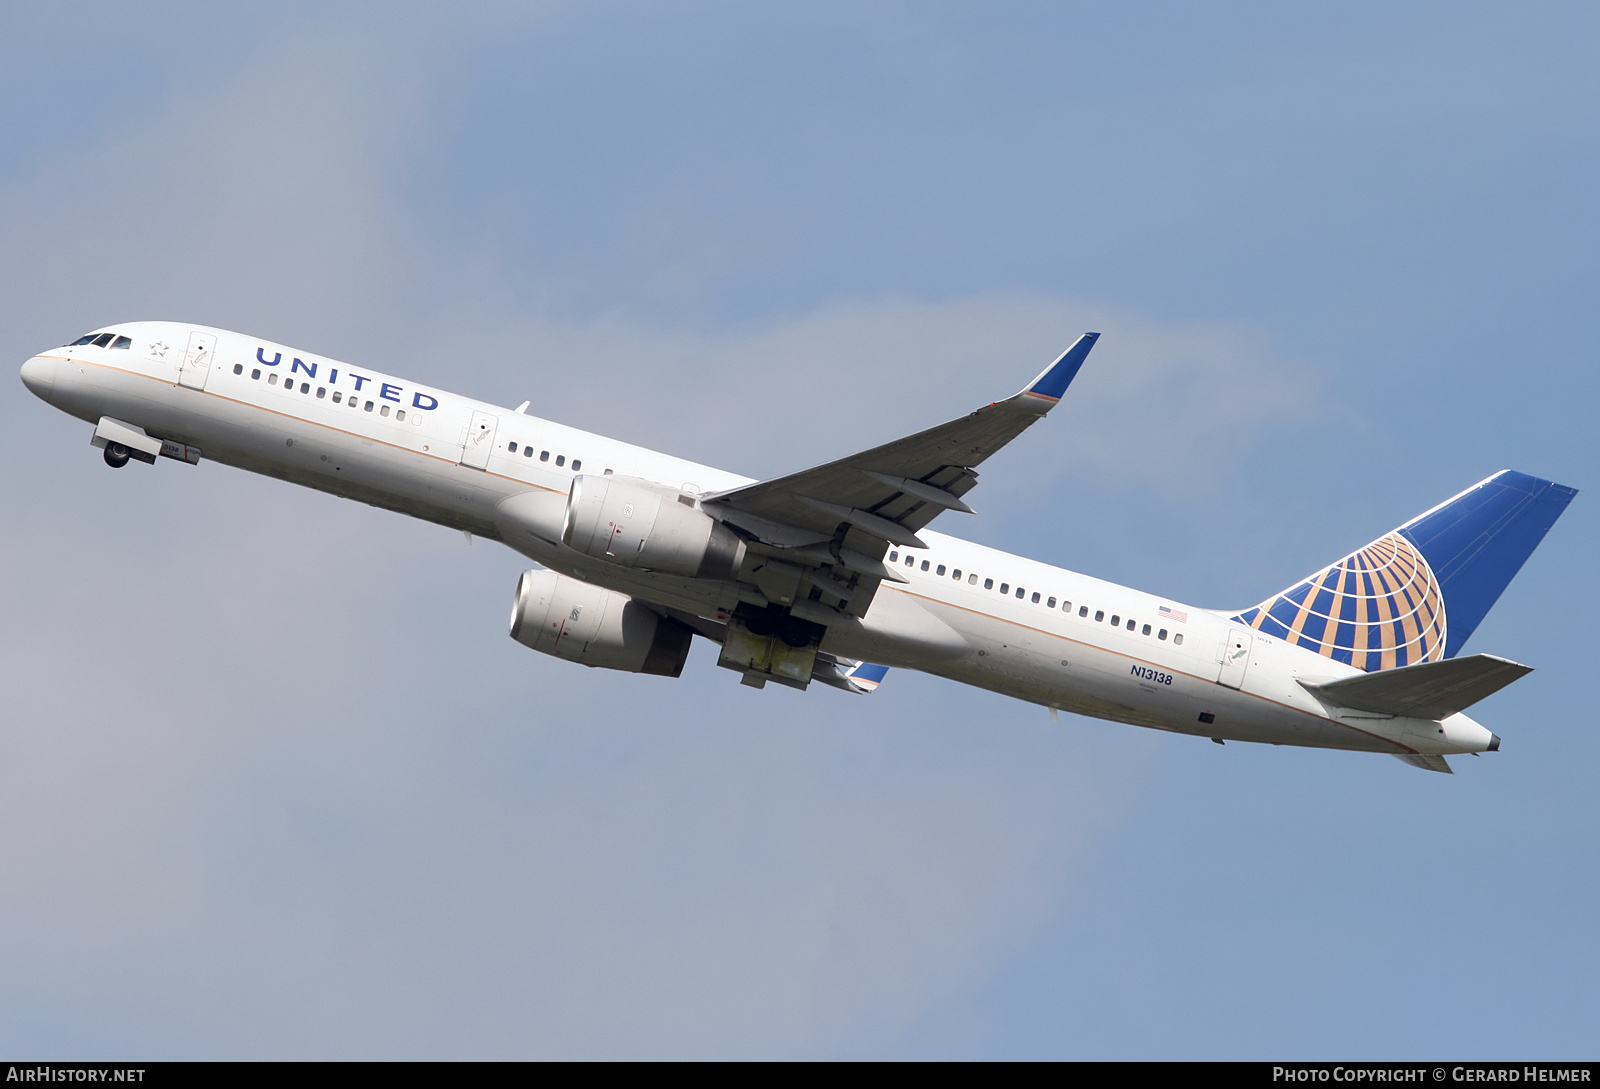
(1168, 406)
(273, 776)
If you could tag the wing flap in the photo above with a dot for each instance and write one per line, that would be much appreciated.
(1434, 690)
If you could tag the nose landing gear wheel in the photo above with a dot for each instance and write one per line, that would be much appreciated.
(116, 455)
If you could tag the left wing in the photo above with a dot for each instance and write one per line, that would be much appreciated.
(844, 515)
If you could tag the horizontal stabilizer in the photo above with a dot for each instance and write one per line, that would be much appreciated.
(1426, 763)
(1433, 690)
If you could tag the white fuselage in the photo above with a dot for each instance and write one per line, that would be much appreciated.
(435, 455)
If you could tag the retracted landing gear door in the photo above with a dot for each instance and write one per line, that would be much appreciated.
(196, 362)
(480, 440)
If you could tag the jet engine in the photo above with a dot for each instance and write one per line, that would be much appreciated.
(634, 523)
(571, 619)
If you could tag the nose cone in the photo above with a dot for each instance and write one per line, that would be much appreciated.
(39, 375)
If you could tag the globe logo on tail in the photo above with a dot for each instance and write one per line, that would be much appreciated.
(1378, 608)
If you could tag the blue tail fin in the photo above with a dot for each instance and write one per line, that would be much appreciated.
(1416, 594)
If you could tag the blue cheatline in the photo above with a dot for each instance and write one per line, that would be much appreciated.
(1416, 594)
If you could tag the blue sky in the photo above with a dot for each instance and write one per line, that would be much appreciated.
(275, 783)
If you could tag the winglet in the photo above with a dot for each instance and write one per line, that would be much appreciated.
(866, 677)
(1054, 380)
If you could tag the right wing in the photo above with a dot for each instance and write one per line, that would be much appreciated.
(833, 523)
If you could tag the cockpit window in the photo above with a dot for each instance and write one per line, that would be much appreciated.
(104, 340)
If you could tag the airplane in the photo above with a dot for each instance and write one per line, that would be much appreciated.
(830, 574)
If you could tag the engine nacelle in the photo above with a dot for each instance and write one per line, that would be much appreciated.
(634, 523)
(596, 627)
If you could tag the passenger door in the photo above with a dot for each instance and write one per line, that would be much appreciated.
(195, 365)
(1235, 657)
(480, 440)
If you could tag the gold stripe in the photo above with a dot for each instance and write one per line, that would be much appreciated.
(1363, 605)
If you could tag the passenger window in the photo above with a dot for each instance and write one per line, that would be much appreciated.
(988, 584)
(1050, 604)
(576, 464)
(606, 473)
(561, 459)
(1146, 630)
(384, 411)
(1005, 587)
(544, 455)
(337, 396)
(956, 574)
(1099, 615)
(1083, 610)
(527, 451)
(911, 561)
(1162, 634)
(238, 368)
(894, 557)
(322, 391)
(255, 375)
(924, 565)
(354, 403)
(1116, 621)
(399, 414)
(103, 340)
(512, 447)
(369, 406)
(972, 580)
(1178, 638)
(939, 570)
(127, 342)
(1035, 598)
(272, 380)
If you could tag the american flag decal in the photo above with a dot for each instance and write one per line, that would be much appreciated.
(1177, 615)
